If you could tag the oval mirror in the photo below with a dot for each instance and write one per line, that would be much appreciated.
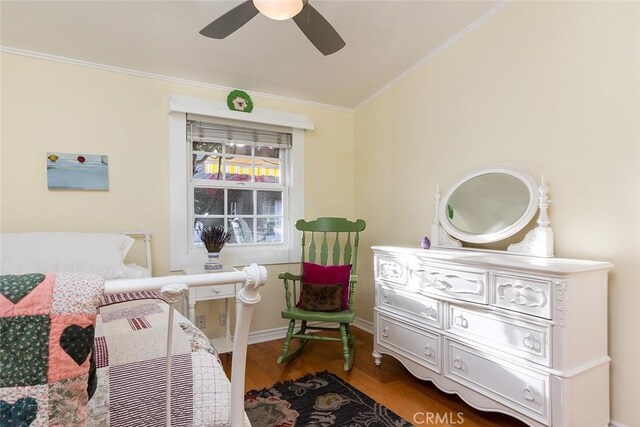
(489, 205)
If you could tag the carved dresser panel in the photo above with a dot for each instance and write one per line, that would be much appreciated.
(521, 335)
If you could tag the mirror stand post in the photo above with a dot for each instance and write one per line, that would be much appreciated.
(439, 236)
(539, 241)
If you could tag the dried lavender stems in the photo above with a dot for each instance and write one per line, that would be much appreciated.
(214, 237)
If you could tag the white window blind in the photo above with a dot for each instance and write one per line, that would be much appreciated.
(221, 132)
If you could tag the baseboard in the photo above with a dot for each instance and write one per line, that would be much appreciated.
(365, 325)
(267, 335)
(613, 423)
(279, 333)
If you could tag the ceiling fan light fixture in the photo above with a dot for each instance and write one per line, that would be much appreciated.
(279, 9)
(314, 26)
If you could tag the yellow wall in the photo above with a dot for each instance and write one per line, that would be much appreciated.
(552, 88)
(51, 106)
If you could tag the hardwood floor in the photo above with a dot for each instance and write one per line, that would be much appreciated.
(389, 384)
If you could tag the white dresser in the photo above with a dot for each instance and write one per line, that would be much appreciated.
(526, 336)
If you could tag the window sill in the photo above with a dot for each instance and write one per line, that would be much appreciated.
(241, 256)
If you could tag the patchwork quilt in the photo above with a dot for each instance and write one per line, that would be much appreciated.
(130, 349)
(46, 334)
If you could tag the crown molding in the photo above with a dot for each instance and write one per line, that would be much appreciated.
(493, 11)
(104, 67)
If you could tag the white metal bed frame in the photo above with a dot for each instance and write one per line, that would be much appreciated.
(173, 287)
(147, 245)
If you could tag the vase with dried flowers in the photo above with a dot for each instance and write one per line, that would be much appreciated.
(214, 238)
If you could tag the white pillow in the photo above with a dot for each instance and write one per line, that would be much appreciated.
(54, 252)
(135, 271)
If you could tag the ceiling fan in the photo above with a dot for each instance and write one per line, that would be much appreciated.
(317, 29)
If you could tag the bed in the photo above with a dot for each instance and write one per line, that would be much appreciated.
(137, 382)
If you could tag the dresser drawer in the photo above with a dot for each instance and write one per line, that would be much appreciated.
(521, 294)
(524, 391)
(467, 285)
(429, 311)
(523, 339)
(416, 344)
(391, 270)
(215, 292)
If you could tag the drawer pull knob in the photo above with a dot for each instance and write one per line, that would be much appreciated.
(386, 299)
(457, 363)
(460, 320)
(385, 332)
(440, 285)
(529, 341)
(521, 294)
(215, 290)
(427, 350)
(430, 312)
(528, 394)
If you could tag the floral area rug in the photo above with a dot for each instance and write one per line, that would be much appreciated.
(320, 399)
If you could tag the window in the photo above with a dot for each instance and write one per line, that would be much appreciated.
(238, 170)
(237, 181)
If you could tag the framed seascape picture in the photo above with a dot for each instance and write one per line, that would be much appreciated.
(67, 171)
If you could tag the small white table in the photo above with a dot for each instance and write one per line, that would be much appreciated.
(206, 293)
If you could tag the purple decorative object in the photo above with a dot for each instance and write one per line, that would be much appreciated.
(425, 243)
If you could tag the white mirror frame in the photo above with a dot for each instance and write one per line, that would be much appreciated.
(507, 231)
(537, 242)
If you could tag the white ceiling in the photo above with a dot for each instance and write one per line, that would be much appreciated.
(384, 39)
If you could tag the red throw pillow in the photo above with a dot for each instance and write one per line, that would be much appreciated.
(317, 274)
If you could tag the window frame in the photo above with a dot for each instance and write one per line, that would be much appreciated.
(183, 252)
(253, 186)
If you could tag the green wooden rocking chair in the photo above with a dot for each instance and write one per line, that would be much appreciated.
(317, 237)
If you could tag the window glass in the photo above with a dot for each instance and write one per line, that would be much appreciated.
(207, 147)
(269, 230)
(238, 149)
(208, 201)
(240, 202)
(271, 152)
(207, 166)
(267, 170)
(269, 202)
(238, 168)
(241, 230)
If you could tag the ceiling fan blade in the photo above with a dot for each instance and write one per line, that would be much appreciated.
(230, 21)
(318, 30)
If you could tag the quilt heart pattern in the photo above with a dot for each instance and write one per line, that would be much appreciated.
(20, 414)
(15, 287)
(77, 341)
(47, 322)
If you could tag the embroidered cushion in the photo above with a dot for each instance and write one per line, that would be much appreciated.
(47, 324)
(316, 274)
(316, 297)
